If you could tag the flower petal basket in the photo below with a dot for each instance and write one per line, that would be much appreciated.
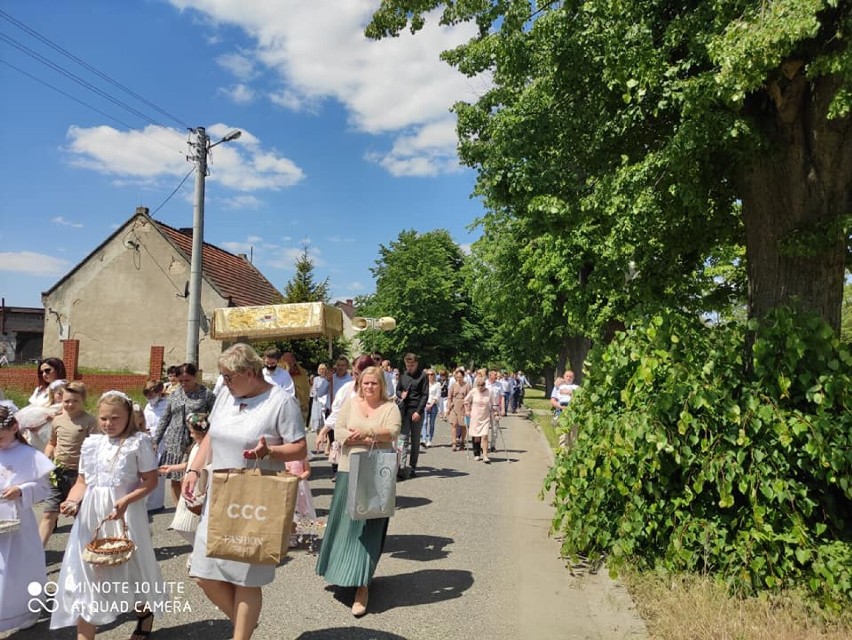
(109, 551)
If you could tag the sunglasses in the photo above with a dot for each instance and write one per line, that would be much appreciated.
(47, 370)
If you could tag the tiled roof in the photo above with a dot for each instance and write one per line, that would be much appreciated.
(235, 277)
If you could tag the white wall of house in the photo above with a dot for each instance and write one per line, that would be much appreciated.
(123, 300)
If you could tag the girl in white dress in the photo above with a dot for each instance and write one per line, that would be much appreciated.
(24, 480)
(117, 470)
(185, 522)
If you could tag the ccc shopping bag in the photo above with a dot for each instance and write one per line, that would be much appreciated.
(250, 515)
(372, 484)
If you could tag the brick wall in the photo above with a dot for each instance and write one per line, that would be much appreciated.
(23, 380)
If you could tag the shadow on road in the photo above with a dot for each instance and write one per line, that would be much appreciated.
(164, 553)
(410, 502)
(442, 472)
(206, 630)
(416, 547)
(351, 633)
(424, 587)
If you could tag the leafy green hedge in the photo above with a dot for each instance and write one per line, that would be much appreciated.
(686, 463)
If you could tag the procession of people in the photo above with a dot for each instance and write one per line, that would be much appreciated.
(108, 471)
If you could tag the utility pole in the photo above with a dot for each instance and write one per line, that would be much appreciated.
(199, 156)
(200, 148)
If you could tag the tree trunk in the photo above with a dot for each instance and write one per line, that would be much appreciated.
(794, 197)
(578, 349)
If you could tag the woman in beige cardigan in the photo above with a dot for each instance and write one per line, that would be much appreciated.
(351, 548)
(455, 409)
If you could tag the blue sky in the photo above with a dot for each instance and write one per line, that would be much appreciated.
(345, 143)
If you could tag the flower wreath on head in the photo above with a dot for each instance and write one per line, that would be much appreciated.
(198, 421)
(120, 394)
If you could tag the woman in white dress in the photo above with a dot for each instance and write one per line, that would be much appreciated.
(319, 397)
(49, 370)
(154, 410)
(251, 420)
(118, 469)
(24, 480)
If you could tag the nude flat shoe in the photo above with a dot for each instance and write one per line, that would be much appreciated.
(359, 607)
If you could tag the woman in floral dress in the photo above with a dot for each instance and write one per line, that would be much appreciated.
(190, 397)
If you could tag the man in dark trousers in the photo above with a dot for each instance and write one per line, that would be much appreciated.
(412, 391)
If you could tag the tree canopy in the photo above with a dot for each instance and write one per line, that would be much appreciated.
(653, 137)
(420, 283)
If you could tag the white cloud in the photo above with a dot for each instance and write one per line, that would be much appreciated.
(153, 154)
(66, 223)
(430, 150)
(318, 50)
(239, 65)
(242, 202)
(285, 257)
(291, 100)
(238, 93)
(33, 264)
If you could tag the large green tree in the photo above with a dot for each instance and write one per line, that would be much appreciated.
(665, 132)
(419, 282)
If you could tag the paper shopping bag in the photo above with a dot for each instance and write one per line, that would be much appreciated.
(250, 514)
(372, 484)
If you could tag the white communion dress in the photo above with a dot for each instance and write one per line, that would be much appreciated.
(100, 593)
(23, 466)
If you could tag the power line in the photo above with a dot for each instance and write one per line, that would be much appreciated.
(177, 188)
(73, 76)
(86, 65)
(67, 95)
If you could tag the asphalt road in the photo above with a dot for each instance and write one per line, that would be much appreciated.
(467, 556)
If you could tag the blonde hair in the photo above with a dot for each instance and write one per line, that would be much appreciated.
(54, 388)
(119, 398)
(240, 358)
(139, 419)
(75, 386)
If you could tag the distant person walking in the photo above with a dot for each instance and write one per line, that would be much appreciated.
(431, 410)
(319, 398)
(173, 432)
(478, 406)
(412, 391)
(455, 409)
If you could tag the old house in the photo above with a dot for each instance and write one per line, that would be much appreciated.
(131, 293)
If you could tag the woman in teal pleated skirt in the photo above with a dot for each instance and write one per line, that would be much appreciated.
(351, 548)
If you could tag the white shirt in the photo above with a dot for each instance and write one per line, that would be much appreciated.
(337, 383)
(390, 384)
(153, 412)
(564, 392)
(281, 378)
(346, 391)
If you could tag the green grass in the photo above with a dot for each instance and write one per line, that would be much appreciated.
(21, 400)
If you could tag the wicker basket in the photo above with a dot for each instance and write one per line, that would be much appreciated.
(109, 551)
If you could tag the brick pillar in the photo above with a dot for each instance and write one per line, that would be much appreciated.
(71, 357)
(155, 363)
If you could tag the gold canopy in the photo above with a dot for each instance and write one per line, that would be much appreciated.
(298, 320)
